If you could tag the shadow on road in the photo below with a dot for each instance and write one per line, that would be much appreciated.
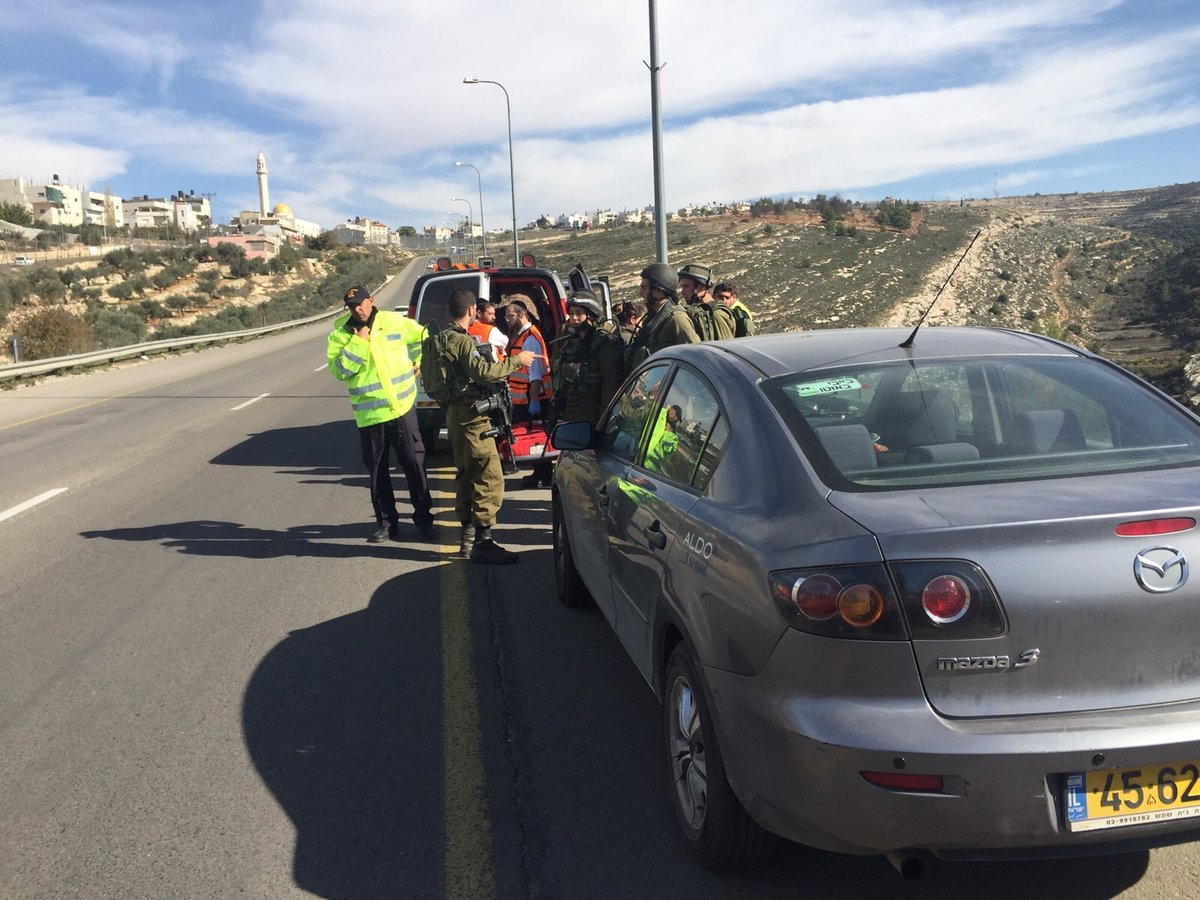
(208, 538)
(330, 448)
(343, 721)
(344, 724)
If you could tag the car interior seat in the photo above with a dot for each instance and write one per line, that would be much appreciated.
(957, 451)
(1046, 431)
(914, 418)
(849, 446)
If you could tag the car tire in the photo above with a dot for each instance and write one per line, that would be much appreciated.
(570, 587)
(719, 831)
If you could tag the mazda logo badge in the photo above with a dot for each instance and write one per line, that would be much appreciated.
(1160, 570)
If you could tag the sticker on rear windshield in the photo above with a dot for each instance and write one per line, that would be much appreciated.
(832, 386)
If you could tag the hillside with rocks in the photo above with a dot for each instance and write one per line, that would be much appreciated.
(1075, 267)
(131, 295)
(1116, 272)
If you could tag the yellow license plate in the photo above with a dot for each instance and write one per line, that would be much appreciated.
(1113, 798)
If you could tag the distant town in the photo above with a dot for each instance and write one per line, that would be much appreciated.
(260, 232)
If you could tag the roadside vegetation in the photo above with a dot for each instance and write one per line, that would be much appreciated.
(1118, 273)
(134, 295)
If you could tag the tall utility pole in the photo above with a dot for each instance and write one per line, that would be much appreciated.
(212, 220)
(660, 206)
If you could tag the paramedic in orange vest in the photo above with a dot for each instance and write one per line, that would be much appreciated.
(484, 329)
(529, 387)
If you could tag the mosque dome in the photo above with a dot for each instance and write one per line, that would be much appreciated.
(281, 210)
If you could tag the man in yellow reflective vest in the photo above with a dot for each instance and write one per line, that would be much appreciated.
(376, 354)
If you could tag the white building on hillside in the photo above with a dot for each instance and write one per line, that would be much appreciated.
(103, 209)
(148, 212)
(51, 203)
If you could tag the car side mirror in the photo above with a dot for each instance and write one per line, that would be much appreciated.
(572, 435)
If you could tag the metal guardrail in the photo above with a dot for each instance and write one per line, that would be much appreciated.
(100, 357)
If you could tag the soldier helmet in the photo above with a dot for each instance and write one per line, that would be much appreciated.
(662, 276)
(587, 301)
(702, 275)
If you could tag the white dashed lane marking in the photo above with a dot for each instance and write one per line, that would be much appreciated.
(29, 504)
(248, 402)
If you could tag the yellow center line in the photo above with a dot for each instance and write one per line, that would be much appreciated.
(468, 871)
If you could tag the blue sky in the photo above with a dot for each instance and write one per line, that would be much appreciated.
(361, 110)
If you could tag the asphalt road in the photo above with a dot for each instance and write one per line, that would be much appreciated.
(211, 686)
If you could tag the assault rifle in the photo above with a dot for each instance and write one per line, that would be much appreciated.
(498, 406)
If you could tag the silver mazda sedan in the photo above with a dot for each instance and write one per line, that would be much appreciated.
(900, 599)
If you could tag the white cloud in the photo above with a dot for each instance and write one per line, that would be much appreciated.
(368, 112)
(138, 39)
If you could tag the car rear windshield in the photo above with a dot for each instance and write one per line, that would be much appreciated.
(980, 420)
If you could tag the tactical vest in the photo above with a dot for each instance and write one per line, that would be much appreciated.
(575, 369)
(701, 315)
(743, 319)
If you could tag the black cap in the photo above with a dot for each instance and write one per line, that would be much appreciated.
(356, 295)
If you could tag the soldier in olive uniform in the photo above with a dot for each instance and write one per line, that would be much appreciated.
(630, 319)
(666, 324)
(588, 369)
(479, 480)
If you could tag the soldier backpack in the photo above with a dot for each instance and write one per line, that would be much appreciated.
(743, 321)
(438, 375)
(702, 315)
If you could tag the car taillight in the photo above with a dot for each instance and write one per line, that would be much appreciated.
(839, 601)
(948, 598)
(898, 781)
(860, 605)
(1155, 526)
(817, 596)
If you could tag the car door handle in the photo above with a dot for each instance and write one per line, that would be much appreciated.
(655, 535)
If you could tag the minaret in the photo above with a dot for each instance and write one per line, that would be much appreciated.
(263, 206)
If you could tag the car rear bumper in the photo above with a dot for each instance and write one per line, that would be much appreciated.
(796, 737)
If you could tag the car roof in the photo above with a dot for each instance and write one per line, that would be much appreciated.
(798, 351)
(504, 271)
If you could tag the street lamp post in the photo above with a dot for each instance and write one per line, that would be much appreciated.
(460, 232)
(470, 218)
(482, 227)
(512, 179)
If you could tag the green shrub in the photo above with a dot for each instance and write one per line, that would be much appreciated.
(152, 309)
(121, 291)
(54, 332)
(117, 327)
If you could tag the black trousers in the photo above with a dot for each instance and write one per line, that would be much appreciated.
(404, 438)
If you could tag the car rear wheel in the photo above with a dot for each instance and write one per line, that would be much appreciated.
(570, 587)
(720, 832)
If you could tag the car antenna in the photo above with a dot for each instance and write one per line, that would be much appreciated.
(921, 321)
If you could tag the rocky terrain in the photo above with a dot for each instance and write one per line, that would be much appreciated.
(1079, 267)
(1070, 266)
